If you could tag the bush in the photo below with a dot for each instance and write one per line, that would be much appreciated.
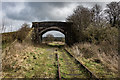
(22, 32)
(98, 35)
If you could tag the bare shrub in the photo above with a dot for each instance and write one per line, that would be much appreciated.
(99, 35)
(22, 32)
(106, 54)
(101, 45)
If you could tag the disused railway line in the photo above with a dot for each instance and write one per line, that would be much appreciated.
(58, 66)
(91, 74)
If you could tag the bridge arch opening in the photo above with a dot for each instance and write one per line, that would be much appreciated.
(53, 37)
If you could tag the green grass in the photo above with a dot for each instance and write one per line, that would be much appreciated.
(38, 63)
(4, 45)
(68, 67)
(41, 62)
(55, 44)
(99, 69)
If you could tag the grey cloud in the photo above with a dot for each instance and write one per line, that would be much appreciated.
(47, 4)
(45, 10)
(10, 11)
(6, 4)
(35, 10)
(40, 10)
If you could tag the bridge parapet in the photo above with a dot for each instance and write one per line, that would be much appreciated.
(49, 24)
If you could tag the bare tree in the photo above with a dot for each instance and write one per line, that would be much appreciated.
(50, 37)
(118, 14)
(11, 27)
(81, 19)
(96, 14)
(113, 11)
(22, 32)
(3, 25)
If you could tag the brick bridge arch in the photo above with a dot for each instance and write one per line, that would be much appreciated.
(42, 27)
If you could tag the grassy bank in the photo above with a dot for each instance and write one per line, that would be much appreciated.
(9, 37)
(103, 64)
(25, 61)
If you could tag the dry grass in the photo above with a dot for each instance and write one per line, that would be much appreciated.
(8, 38)
(106, 56)
(22, 60)
(20, 35)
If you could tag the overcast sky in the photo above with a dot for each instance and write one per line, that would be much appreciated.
(16, 13)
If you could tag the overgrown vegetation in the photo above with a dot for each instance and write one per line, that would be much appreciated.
(8, 38)
(27, 61)
(100, 59)
(69, 68)
(23, 32)
(84, 18)
(97, 38)
(99, 35)
(20, 35)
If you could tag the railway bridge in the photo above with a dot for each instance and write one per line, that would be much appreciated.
(42, 27)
